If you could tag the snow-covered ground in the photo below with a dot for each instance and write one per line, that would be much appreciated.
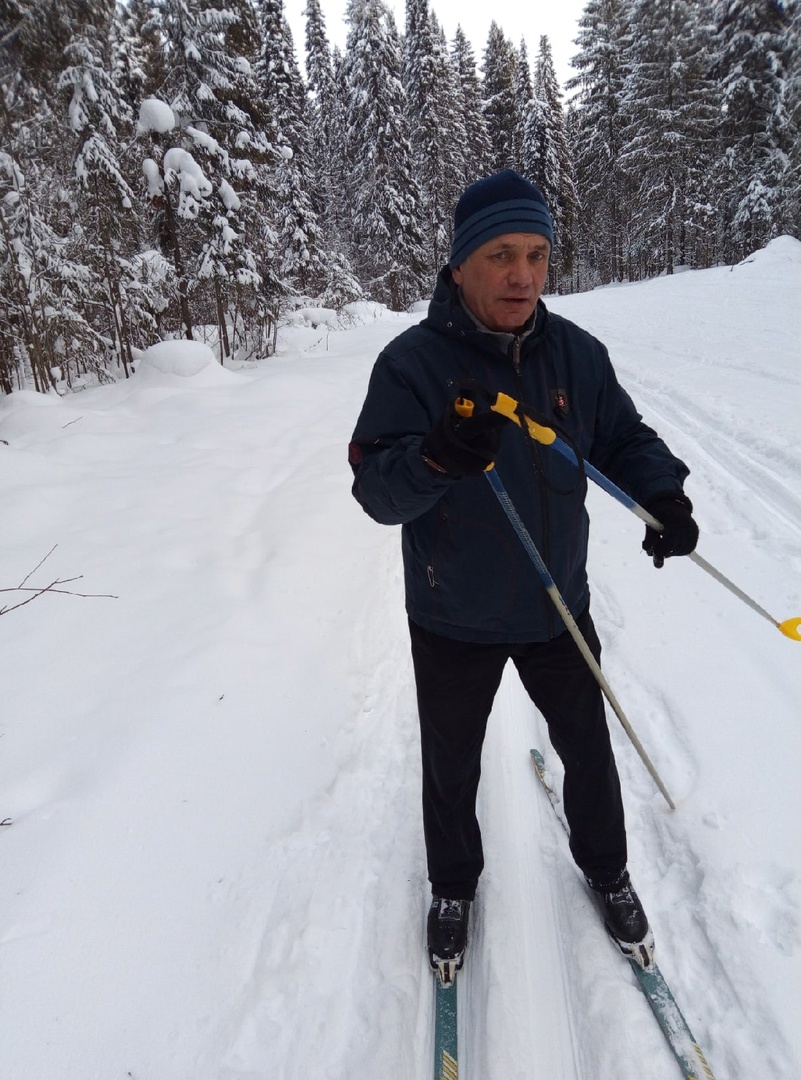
(213, 868)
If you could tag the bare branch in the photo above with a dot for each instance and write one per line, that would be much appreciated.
(47, 556)
(53, 587)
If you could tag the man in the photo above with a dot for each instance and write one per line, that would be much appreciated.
(472, 596)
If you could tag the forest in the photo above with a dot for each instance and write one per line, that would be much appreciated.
(168, 168)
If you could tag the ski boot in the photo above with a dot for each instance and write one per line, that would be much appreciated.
(625, 920)
(447, 936)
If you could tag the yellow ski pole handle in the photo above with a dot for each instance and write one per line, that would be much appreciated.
(791, 628)
(507, 406)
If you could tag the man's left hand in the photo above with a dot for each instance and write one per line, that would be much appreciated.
(680, 533)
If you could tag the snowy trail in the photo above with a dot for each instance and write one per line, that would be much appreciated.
(215, 867)
(758, 470)
(520, 955)
(327, 953)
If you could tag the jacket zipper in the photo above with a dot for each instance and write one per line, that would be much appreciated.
(432, 580)
(546, 552)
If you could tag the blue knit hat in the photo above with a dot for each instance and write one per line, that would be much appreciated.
(503, 203)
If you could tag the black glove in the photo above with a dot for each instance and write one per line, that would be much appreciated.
(463, 445)
(680, 533)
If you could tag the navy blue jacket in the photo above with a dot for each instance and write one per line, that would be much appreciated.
(467, 575)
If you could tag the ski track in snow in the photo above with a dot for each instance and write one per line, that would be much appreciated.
(347, 968)
(749, 467)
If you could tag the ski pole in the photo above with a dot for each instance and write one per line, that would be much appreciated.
(465, 408)
(510, 408)
(560, 605)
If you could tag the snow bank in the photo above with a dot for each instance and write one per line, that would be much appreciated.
(181, 360)
(364, 311)
(357, 313)
(314, 316)
(784, 249)
(26, 410)
(26, 399)
(185, 358)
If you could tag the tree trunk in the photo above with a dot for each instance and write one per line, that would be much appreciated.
(183, 287)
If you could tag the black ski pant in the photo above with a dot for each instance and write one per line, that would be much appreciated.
(456, 685)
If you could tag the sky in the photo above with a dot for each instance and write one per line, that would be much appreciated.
(557, 20)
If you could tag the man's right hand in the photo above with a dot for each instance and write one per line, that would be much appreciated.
(463, 445)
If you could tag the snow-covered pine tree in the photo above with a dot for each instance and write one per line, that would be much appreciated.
(326, 150)
(46, 287)
(551, 163)
(242, 36)
(98, 113)
(792, 220)
(321, 110)
(756, 53)
(386, 236)
(342, 287)
(601, 63)
(303, 263)
(337, 217)
(319, 64)
(454, 132)
(477, 156)
(201, 172)
(500, 102)
(524, 95)
(670, 114)
(137, 54)
(436, 135)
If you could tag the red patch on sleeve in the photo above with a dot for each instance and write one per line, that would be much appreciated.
(355, 454)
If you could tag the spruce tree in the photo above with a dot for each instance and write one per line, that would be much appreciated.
(436, 135)
(670, 117)
(500, 102)
(791, 222)
(98, 115)
(524, 95)
(477, 156)
(48, 287)
(754, 63)
(137, 53)
(204, 173)
(299, 234)
(552, 168)
(386, 236)
(325, 133)
(603, 185)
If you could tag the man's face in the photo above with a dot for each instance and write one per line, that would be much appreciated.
(501, 281)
